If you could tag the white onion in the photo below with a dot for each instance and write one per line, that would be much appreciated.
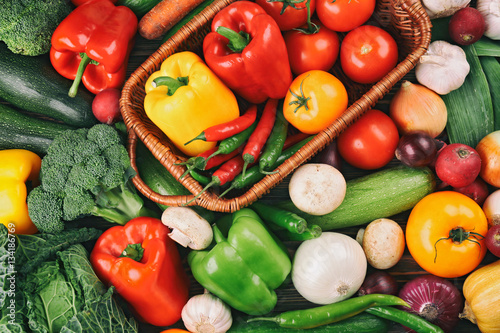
(329, 268)
(491, 208)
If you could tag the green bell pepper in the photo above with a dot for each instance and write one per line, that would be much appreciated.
(244, 268)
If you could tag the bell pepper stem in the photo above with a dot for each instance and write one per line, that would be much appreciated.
(237, 41)
(171, 83)
(78, 78)
(133, 251)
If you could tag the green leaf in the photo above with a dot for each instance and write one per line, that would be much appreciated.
(470, 109)
(52, 300)
(487, 47)
(101, 317)
(491, 68)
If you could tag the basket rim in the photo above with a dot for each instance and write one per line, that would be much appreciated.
(210, 201)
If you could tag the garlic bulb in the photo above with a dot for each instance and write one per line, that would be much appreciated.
(329, 268)
(443, 68)
(490, 9)
(206, 313)
(443, 8)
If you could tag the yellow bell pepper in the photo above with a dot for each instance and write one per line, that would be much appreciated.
(17, 167)
(184, 98)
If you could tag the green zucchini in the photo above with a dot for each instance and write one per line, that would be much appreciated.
(157, 177)
(139, 7)
(380, 194)
(21, 131)
(32, 84)
(361, 323)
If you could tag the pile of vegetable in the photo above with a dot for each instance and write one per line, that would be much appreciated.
(413, 184)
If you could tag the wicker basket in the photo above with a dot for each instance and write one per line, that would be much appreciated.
(406, 20)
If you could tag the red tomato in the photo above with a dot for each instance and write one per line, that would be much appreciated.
(370, 142)
(293, 15)
(344, 15)
(368, 53)
(306, 51)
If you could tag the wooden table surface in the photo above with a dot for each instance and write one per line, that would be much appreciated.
(288, 298)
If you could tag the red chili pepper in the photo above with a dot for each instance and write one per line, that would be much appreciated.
(226, 173)
(204, 162)
(261, 133)
(230, 128)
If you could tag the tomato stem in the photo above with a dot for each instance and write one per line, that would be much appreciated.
(301, 101)
(459, 235)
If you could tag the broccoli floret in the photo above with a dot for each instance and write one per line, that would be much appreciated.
(26, 26)
(45, 210)
(77, 205)
(104, 135)
(97, 182)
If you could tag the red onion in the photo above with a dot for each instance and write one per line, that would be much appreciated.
(330, 155)
(435, 299)
(379, 282)
(416, 149)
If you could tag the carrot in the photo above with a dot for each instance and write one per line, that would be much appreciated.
(164, 16)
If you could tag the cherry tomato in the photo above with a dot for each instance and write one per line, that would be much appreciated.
(368, 53)
(445, 234)
(308, 51)
(288, 13)
(344, 15)
(370, 142)
(315, 99)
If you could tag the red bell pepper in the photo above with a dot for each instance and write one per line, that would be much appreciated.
(93, 43)
(144, 265)
(247, 51)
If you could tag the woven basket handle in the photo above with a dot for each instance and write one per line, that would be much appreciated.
(167, 200)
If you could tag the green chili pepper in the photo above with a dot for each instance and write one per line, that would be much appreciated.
(331, 313)
(312, 231)
(280, 217)
(202, 179)
(410, 320)
(232, 143)
(253, 175)
(275, 142)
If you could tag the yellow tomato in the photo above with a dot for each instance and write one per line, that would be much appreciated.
(315, 99)
(174, 330)
(445, 234)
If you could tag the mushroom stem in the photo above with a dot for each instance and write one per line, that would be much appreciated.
(180, 237)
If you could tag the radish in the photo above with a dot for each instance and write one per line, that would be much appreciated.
(466, 26)
(106, 106)
(477, 190)
(458, 165)
(492, 240)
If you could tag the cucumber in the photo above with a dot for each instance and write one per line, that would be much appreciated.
(157, 177)
(21, 131)
(32, 84)
(361, 323)
(139, 7)
(381, 194)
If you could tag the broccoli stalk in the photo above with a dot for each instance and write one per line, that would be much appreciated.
(120, 205)
(85, 172)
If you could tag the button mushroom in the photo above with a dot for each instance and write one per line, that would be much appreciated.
(187, 227)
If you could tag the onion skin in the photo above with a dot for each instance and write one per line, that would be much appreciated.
(415, 107)
(491, 208)
(330, 155)
(435, 299)
(488, 149)
(379, 282)
(416, 149)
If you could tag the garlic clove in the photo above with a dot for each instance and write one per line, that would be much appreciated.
(206, 313)
(443, 68)
(443, 8)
